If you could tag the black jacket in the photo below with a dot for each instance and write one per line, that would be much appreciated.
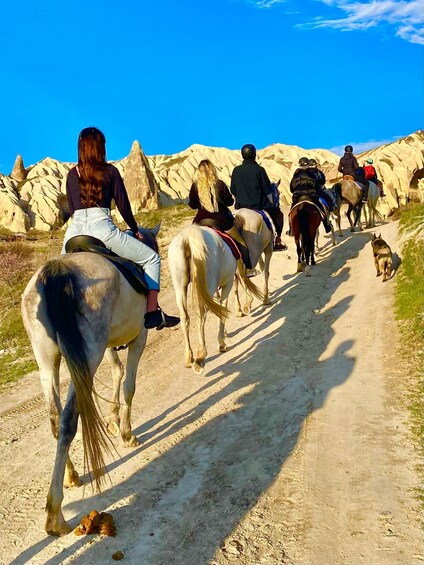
(250, 185)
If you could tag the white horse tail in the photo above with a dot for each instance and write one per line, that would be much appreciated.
(247, 282)
(61, 292)
(195, 249)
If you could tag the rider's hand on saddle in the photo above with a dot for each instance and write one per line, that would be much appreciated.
(139, 236)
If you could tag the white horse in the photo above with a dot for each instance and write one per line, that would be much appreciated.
(77, 306)
(199, 255)
(260, 242)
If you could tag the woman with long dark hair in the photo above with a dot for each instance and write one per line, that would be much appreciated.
(90, 188)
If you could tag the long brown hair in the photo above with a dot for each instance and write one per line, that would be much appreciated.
(206, 179)
(91, 165)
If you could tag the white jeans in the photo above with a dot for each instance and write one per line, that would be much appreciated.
(98, 223)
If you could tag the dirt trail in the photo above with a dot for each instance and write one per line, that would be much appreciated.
(291, 448)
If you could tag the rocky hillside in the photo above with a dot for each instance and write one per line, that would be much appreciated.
(34, 197)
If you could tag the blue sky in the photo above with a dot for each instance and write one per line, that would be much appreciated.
(315, 73)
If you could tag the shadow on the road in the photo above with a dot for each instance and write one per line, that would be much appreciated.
(198, 491)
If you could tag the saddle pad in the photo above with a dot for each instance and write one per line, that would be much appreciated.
(324, 203)
(267, 219)
(231, 243)
(309, 202)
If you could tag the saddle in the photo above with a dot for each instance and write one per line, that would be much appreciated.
(321, 212)
(133, 273)
(232, 244)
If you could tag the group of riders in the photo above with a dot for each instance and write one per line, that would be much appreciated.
(251, 188)
(94, 183)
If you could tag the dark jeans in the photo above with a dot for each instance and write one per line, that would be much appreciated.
(277, 217)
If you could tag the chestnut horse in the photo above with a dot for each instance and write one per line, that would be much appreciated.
(305, 219)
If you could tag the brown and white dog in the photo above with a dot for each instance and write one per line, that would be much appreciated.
(382, 257)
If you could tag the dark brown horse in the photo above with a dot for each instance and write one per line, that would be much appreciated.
(305, 219)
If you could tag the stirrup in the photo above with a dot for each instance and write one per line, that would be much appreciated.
(159, 320)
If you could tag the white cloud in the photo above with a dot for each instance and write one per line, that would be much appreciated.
(267, 3)
(406, 16)
(362, 146)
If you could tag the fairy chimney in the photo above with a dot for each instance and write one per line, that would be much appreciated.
(18, 171)
(139, 181)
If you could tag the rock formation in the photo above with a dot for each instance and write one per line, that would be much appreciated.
(139, 180)
(39, 199)
(18, 172)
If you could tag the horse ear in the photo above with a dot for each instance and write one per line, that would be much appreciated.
(155, 229)
(277, 184)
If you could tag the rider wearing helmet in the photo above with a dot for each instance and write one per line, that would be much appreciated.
(250, 185)
(371, 174)
(348, 163)
(322, 193)
(306, 183)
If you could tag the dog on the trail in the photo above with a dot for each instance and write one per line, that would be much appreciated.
(382, 257)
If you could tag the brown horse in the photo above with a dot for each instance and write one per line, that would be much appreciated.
(349, 191)
(305, 219)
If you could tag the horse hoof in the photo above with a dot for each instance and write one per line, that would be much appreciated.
(299, 267)
(307, 271)
(113, 429)
(239, 314)
(72, 480)
(267, 302)
(198, 368)
(223, 348)
(246, 310)
(132, 442)
(62, 531)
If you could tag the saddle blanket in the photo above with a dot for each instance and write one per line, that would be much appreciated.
(324, 203)
(309, 202)
(268, 221)
(230, 242)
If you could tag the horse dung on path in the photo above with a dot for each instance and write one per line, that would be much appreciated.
(79, 306)
(198, 255)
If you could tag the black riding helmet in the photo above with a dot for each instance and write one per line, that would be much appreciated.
(348, 149)
(313, 163)
(248, 151)
(303, 162)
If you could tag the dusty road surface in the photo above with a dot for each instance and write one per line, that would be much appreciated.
(293, 446)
